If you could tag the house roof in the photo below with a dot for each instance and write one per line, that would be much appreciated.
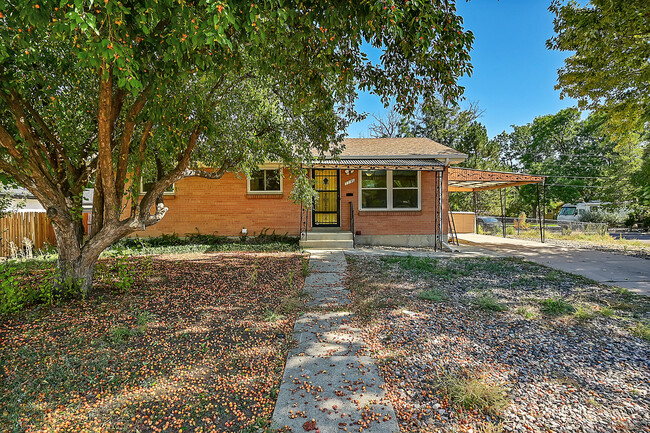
(402, 147)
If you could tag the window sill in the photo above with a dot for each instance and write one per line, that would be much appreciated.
(166, 194)
(264, 193)
(390, 210)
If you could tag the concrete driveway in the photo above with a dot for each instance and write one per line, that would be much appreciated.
(614, 269)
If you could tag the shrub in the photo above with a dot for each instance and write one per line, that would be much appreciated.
(11, 298)
(612, 219)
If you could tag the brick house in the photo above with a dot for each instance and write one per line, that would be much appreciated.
(380, 191)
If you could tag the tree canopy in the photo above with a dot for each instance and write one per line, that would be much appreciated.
(608, 70)
(96, 94)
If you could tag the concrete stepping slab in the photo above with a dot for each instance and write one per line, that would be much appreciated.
(337, 392)
(328, 334)
(322, 265)
(330, 385)
(315, 281)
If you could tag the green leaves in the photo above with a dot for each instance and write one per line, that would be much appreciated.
(609, 70)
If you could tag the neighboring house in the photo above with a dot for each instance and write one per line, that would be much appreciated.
(24, 201)
(21, 200)
(385, 191)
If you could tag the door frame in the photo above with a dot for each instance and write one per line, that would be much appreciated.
(338, 200)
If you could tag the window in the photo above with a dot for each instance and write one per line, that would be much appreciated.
(265, 182)
(568, 211)
(147, 184)
(390, 190)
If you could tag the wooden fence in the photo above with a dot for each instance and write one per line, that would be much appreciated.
(465, 222)
(31, 225)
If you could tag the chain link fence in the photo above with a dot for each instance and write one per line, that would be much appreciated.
(529, 228)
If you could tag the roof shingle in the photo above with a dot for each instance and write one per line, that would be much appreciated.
(413, 147)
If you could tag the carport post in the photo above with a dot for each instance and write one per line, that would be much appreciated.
(475, 211)
(539, 215)
(544, 210)
(503, 211)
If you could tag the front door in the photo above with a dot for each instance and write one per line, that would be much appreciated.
(327, 211)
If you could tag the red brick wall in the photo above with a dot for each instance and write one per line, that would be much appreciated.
(223, 207)
(393, 222)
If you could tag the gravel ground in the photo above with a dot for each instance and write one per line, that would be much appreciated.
(583, 371)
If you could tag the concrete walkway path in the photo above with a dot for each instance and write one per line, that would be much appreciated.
(330, 383)
(608, 268)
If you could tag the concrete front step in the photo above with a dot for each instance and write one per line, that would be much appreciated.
(329, 236)
(325, 244)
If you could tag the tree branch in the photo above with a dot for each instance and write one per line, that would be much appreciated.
(111, 205)
(125, 141)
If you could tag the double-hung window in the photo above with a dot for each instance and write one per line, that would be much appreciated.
(146, 183)
(390, 190)
(265, 181)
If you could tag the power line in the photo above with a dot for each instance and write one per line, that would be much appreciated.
(574, 186)
(577, 177)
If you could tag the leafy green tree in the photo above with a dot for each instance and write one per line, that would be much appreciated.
(581, 160)
(96, 94)
(609, 70)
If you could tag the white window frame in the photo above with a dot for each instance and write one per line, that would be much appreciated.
(143, 192)
(265, 169)
(389, 193)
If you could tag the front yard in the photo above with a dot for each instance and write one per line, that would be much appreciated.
(491, 345)
(196, 342)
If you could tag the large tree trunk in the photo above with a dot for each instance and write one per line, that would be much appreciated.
(76, 263)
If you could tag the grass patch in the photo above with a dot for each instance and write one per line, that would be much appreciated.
(271, 316)
(626, 293)
(304, 266)
(556, 307)
(472, 392)
(122, 334)
(526, 312)
(433, 295)
(606, 312)
(584, 314)
(641, 330)
(369, 298)
(488, 302)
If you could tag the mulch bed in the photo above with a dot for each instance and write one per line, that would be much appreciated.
(198, 346)
(559, 374)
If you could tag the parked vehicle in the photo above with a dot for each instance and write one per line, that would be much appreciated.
(573, 212)
(488, 223)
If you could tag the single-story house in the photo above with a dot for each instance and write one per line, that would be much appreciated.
(379, 191)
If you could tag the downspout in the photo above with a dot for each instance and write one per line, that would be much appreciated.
(440, 225)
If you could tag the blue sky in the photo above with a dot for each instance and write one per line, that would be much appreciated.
(514, 74)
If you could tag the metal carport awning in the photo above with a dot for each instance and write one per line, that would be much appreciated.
(421, 164)
(471, 180)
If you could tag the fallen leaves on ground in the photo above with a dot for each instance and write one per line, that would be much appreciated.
(193, 348)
